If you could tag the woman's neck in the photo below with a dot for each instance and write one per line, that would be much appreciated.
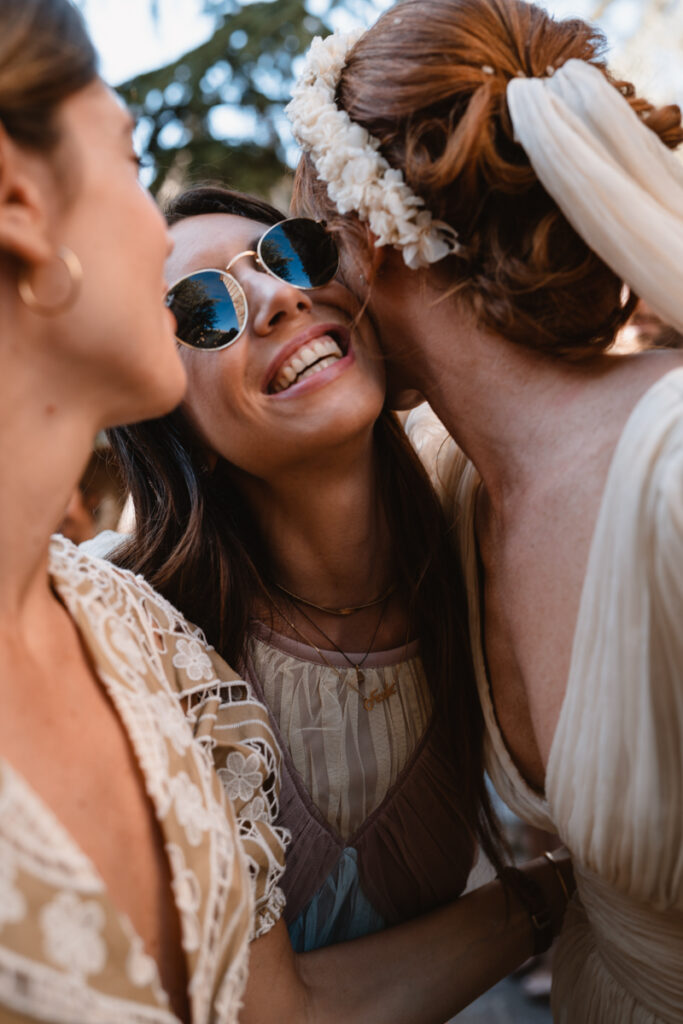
(43, 450)
(325, 529)
(327, 539)
(512, 410)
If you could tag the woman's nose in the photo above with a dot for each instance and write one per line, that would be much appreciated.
(272, 301)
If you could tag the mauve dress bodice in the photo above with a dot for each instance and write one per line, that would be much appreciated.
(369, 797)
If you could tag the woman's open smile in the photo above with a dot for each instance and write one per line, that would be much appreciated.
(313, 358)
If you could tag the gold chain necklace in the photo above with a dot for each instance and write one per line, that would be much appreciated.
(369, 701)
(351, 610)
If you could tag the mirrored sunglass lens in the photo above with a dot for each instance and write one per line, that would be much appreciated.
(209, 308)
(300, 252)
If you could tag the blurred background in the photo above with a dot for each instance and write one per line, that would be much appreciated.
(208, 79)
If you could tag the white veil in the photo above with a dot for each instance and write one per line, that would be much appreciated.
(614, 180)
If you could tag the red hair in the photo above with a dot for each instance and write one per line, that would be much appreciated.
(416, 81)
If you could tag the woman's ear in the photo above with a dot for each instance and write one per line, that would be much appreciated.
(23, 209)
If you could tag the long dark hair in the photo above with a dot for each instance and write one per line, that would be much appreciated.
(197, 542)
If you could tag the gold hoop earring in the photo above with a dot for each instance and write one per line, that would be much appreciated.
(75, 272)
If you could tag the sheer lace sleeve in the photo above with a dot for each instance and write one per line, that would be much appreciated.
(247, 758)
(234, 729)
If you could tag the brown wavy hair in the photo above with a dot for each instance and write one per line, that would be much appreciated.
(45, 56)
(416, 81)
(197, 542)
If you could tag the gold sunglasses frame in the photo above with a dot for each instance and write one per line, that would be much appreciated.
(258, 259)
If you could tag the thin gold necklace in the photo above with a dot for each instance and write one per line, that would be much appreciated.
(369, 701)
(351, 610)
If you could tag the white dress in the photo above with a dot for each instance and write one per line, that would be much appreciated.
(614, 780)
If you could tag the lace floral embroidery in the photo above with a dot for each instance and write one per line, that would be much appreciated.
(240, 776)
(12, 902)
(187, 896)
(257, 810)
(72, 933)
(37, 991)
(193, 659)
(190, 809)
(140, 967)
(172, 725)
(32, 839)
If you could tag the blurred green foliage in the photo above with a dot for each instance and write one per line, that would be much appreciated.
(217, 112)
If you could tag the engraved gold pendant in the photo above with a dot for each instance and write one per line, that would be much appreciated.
(378, 696)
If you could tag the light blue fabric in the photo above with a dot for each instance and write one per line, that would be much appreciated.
(103, 543)
(339, 910)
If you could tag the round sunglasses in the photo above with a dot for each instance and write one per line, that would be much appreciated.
(210, 306)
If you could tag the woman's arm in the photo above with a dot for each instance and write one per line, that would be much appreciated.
(420, 972)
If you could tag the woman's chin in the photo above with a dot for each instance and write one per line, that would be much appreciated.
(170, 396)
(160, 394)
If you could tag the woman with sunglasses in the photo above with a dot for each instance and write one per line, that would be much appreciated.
(510, 197)
(125, 891)
(281, 508)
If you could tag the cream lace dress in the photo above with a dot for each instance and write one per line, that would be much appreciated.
(67, 954)
(614, 781)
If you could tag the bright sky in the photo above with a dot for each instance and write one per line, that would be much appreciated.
(129, 41)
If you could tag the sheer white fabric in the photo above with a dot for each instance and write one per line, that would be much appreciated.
(614, 782)
(613, 179)
(347, 757)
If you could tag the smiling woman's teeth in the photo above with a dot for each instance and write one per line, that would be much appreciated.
(306, 362)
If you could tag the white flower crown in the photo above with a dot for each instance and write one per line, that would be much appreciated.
(348, 160)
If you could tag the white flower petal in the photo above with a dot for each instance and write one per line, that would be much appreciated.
(358, 178)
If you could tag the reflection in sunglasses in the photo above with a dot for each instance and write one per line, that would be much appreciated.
(284, 262)
(209, 307)
(300, 252)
